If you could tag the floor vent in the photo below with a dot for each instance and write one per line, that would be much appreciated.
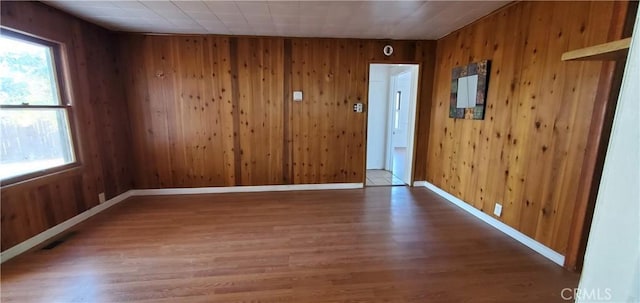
(59, 241)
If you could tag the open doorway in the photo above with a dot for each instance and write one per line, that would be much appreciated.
(393, 91)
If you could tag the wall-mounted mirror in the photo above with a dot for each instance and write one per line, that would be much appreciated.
(469, 90)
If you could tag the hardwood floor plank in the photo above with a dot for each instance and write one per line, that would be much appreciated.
(380, 244)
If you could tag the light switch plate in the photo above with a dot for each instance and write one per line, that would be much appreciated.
(297, 95)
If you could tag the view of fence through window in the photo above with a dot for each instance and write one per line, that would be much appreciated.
(34, 127)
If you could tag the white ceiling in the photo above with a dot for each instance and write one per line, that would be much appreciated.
(337, 19)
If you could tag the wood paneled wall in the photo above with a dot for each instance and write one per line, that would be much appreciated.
(527, 154)
(100, 117)
(261, 103)
(218, 111)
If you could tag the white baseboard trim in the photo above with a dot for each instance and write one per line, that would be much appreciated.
(58, 229)
(510, 231)
(420, 183)
(243, 189)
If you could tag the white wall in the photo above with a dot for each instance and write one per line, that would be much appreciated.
(612, 259)
(377, 116)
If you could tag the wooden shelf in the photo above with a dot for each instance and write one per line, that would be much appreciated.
(607, 51)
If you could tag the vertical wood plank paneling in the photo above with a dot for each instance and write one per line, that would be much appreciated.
(203, 158)
(157, 137)
(107, 102)
(528, 152)
(287, 100)
(184, 100)
(99, 116)
(529, 99)
(328, 137)
(506, 153)
(235, 96)
(220, 62)
(622, 23)
(261, 109)
(85, 128)
(134, 75)
(554, 143)
(425, 54)
(437, 128)
(264, 136)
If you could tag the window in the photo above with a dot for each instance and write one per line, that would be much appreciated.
(396, 117)
(35, 135)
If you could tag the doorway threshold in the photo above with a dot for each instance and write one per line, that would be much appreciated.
(381, 177)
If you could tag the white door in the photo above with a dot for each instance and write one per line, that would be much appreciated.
(401, 102)
(400, 108)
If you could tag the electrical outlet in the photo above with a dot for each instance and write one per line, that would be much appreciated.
(498, 210)
(101, 198)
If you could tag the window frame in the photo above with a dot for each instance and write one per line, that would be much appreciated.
(64, 103)
(396, 112)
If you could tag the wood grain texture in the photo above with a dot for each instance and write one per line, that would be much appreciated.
(183, 134)
(101, 125)
(597, 144)
(527, 154)
(328, 137)
(425, 54)
(372, 245)
(261, 110)
(256, 134)
(614, 50)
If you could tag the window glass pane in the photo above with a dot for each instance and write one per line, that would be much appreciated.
(33, 140)
(396, 119)
(27, 73)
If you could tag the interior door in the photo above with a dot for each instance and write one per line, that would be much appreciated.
(401, 95)
(400, 119)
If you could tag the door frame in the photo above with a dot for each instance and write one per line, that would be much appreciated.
(415, 118)
(606, 100)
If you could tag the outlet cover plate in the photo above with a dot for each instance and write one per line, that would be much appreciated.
(498, 210)
(101, 198)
